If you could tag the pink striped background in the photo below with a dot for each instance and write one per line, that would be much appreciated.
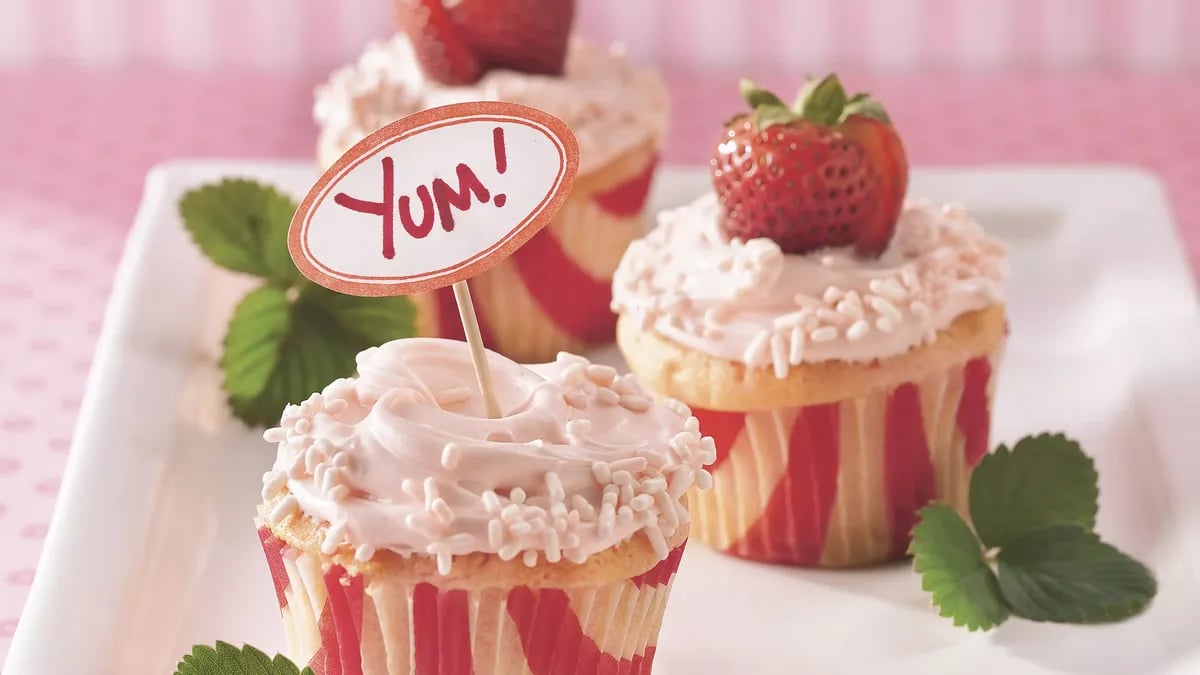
(893, 35)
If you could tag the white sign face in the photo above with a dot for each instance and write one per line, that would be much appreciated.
(434, 198)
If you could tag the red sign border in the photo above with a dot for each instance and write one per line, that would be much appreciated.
(407, 127)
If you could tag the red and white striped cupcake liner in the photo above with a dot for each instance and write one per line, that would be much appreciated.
(343, 624)
(554, 293)
(839, 484)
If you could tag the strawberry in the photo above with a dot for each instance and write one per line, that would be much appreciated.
(829, 171)
(457, 42)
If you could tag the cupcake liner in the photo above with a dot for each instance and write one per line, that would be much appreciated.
(839, 484)
(344, 624)
(554, 293)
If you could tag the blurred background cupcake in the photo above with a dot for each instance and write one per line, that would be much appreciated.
(553, 295)
(839, 345)
(407, 532)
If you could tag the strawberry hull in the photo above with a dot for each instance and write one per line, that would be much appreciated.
(343, 624)
(839, 484)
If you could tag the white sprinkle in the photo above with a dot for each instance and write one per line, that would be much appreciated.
(419, 522)
(602, 472)
(657, 542)
(451, 453)
(296, 470)
(828, 316)
(607, 396)
(574, 374)
(692, 424)
(343, 460)
(611, 492)
(530, 558)
(364, 553)
(495, 533)
(508, 551)
(491, 502)
(601, 375)
(410, 488)
(554, 488)
(888, 289)
(275, 435)
(621, 477)
(329, 480)
(570, 540)
(558, 510)
(779, 357)
(628, 464)
(796, 351)
(849, 309)
(510, 512)
(303, 426)
(635, 402)
(500, 436)
(553, 548)
(823, 334)
(884, 324)
(792, 319)
(654, 485)
(273, 481)
(444, 560)
(608, 514)
(708, 449)
(756, 351)
(641, 502)
(461, 540)
(909, 274)
(886, 308)
(717, 315)
(625, 515)
(626, 384)
(579, 427)
(333, 539)
(452, 396)
(666, 509)
(627, 493)
(832, 295)
(858, 331)
(704, 479)
(286, 507)
(431, 493)
(678, 407)
(583, 507)
(441, 510)
(312, 457)
(920, 309)
(520, 527)
(575, 555)
(336, 406)
(517, 496)
(680, 482)
(576, 399)
(338, 493)
(537, 443)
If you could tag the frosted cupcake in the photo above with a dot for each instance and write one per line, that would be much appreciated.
(406, 532)
(553, 295)
(839, 344)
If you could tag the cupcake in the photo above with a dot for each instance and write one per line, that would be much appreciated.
(838, 343)
(554, 294)
(407, 532)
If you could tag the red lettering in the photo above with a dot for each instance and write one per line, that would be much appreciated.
(422, 230)
(445, 196)
(379, 208)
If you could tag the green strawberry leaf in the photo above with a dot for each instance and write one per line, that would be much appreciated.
(824, 103)
(757, 96)
(860, 104)
(769, 115)
(1044, 480)
(283, 345)
(225, 659)
(1064, 573)
(242, 226)
(953, 568)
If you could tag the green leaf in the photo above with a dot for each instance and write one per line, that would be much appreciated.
(242, 225)
(770, 115)
(1064, 573)
(1044, 480)
(825, 102)
(860, 104)
(283, 345)
(225, 659)
(757, 96)
(952, 567)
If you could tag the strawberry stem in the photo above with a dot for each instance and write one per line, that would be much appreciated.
(822, 102)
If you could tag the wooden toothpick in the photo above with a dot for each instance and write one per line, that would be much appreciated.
(483, 373)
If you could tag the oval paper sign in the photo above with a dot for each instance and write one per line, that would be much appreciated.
(434, 198)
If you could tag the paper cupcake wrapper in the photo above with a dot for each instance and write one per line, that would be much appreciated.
(344, 624)
(840, 484)
(554, 293)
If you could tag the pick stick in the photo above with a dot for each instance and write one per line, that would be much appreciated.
(483, 372)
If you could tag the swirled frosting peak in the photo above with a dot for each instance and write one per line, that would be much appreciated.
(402, 458)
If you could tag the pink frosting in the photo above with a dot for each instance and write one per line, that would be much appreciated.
(402, 458)
(610, 104)
(749, 302)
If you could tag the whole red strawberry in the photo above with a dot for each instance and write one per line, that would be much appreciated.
(457, 42)
(829, 171)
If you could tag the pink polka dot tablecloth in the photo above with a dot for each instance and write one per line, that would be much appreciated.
(75, 147)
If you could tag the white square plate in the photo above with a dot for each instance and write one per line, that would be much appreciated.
(152, 548)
